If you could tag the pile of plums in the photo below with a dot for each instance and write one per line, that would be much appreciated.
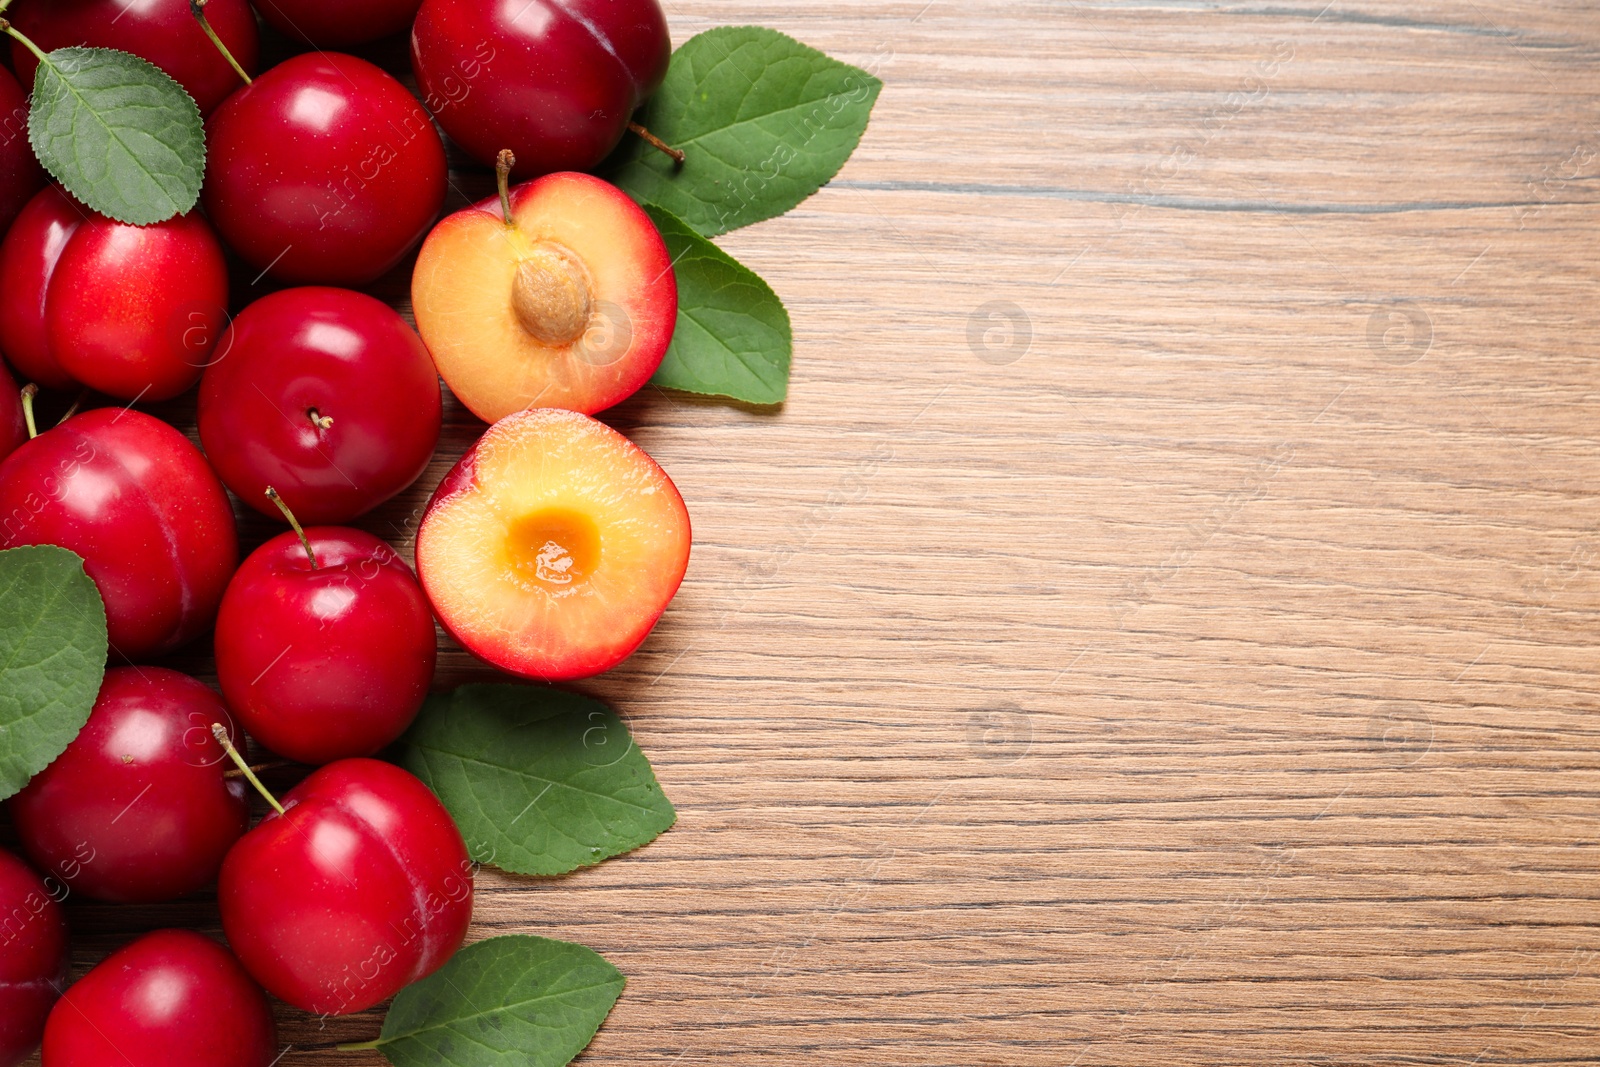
(549, 551)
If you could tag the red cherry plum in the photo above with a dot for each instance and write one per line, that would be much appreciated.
(555, 82)
(325, 170)
(28, 258)
(362, 887)
(171, 999)
(326, 395)
(325, 663)
(138, 807)
(132, 311)
(33, 957)
(137, 501)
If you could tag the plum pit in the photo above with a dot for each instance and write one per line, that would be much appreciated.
(550, 295)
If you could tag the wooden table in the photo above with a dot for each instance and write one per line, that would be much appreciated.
(1160, 627)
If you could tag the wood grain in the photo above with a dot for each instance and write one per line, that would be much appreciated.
(1159, 629)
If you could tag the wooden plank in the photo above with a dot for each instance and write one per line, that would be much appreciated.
(1189, 659)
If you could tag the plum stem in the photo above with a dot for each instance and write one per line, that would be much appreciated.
(29, 391)
(657, 143)
(6, 27)
(76, 404)
(220, 732)
(502, 173)
(358, 1046)
(305, 542)
(319, 420)
(258, 768)
(197, 8)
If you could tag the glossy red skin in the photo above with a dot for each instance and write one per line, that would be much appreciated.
(132, 311)
(535, 76)
(137, 809)
(28, 258)
(13, 423)
(20, 173)
(161, 31)
(361, 888)
(33, 957)
(325, 664)
(338, 25)
(350, 358)
(137, 501)
(171, 999)
(326, 170)
(135, 311)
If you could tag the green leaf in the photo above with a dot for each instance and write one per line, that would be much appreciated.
(510, 1001)
(540, 781)
(733, 337)
(121, 135)
(764, 120)
(52, 657)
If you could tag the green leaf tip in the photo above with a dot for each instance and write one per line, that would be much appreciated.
(765, 122)
(733, 337)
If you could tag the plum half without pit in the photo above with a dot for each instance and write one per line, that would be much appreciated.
(553, 546)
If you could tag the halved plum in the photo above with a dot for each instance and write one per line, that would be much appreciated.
(559, 295)
(553, 546)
